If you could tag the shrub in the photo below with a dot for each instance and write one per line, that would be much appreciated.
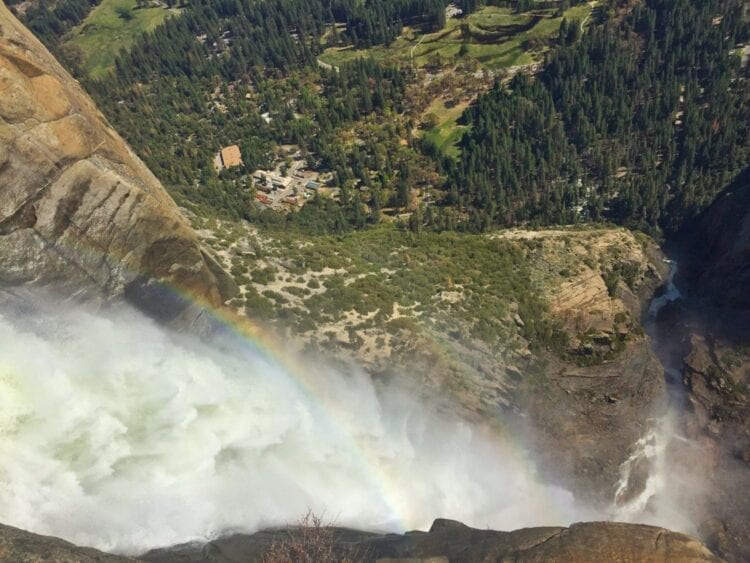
(311, 541)
(263, 276)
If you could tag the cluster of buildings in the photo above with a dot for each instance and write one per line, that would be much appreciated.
(286, 185)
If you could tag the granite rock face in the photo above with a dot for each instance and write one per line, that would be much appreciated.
(78, 210)
(709, 337)
(719, 263)
(446, 541)
(20, 546)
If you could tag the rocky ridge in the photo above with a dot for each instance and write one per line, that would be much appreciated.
(445, 541)
(79, 210)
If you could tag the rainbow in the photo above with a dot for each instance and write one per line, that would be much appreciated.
(263, 345)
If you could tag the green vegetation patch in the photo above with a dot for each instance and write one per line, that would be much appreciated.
(496, 37)
(462, 284)
(446, 131)
(111, 26)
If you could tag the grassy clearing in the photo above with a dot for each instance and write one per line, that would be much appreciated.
(496, 37)
(448, 132)
(111, 26)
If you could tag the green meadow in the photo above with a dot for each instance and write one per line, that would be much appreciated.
(111, 26)
(496, 37)
(447, 133)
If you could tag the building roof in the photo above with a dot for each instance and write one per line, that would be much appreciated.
(312, 185)
(231, 156)
(284, 181)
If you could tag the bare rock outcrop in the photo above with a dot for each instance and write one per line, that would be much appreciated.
(79, 211)
(709, 337)
(604, 392)
(718, 262)
(20, 546)
(448, 540)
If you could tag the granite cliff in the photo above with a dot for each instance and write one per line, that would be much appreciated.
(709, 345)
(79, 211)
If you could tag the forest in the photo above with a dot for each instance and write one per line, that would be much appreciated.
(638, 120)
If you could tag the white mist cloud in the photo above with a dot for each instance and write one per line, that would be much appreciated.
(118, 434)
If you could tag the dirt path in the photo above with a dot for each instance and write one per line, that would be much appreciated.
(583, 23)
(411, 53)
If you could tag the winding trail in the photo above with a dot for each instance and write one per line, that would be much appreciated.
(411, 53)
(588, 17)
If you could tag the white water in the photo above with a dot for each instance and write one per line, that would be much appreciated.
(670, 294)
(674, 485)
(665, 497)
(119, 435)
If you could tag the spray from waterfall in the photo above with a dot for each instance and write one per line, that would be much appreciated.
(118, 434)
(662, 482)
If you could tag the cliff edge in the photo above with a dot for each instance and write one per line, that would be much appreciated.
(446, 541)
(79, 211)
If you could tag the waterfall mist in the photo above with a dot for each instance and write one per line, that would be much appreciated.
(118, 434)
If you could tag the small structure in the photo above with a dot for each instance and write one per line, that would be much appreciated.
(228, 157)
(280, 182)
(312, 185)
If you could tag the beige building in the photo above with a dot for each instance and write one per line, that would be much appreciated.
(228, 157)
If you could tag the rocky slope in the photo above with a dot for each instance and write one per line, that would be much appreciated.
(19, 546)
(446, 541)
(709, 344)
(580, 406)
(595, 400)
(79, 211)
(717, 264)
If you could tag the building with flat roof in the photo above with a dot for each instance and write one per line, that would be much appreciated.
(281, 181)
(228, 157)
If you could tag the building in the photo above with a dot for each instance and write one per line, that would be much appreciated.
(312, 185)
(280, 182)
(228, 157)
